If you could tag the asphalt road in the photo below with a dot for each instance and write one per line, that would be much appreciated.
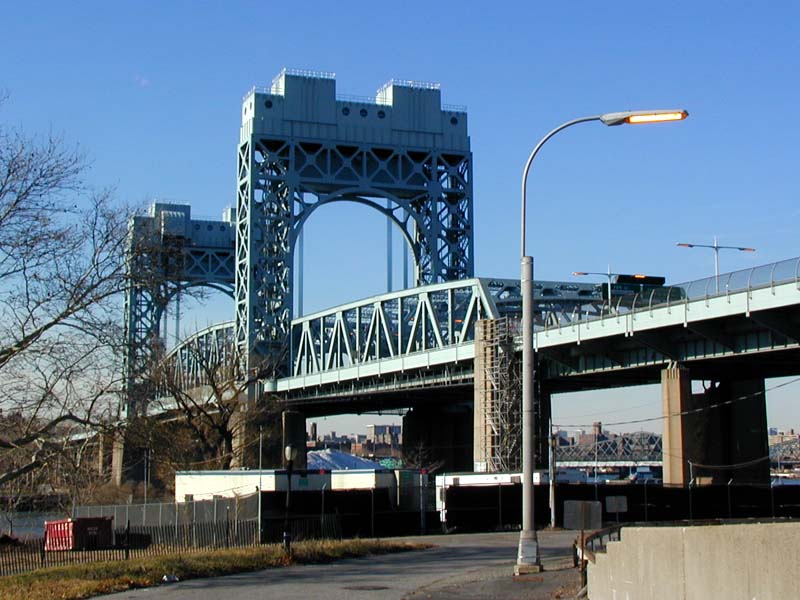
(460, 566)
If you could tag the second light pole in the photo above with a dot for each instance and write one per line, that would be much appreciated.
(528, 559)
(289, 453)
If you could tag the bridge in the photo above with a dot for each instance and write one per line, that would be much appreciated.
(445, 348)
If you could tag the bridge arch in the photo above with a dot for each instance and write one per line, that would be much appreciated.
(407, 225)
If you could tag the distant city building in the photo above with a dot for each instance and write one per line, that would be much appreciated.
(385, 434)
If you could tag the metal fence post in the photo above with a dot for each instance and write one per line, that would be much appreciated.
(43, 551)
(228, 526)
(772, 498)
(730, 512)
(500, 505)
(128, 540)
(214, 529)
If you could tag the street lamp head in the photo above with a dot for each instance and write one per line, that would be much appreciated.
(635, 117)
(580, 273)
(747, 249)
(290, 453)
(683, 245)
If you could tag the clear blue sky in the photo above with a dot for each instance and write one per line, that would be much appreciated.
(152, 92)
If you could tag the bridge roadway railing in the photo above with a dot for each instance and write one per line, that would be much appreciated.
(416, 328)
(395, 332)
(434, 325)
(760, 277)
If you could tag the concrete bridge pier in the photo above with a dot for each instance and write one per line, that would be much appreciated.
(716, 435)
(439, 436)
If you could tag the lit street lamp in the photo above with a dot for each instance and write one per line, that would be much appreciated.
(528, 559)
(289, 453)
(716, 248)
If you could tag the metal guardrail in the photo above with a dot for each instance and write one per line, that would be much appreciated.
(760, 277)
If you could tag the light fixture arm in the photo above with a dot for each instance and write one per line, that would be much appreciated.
(530, 161)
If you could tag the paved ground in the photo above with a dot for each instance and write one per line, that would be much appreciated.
(462, 567)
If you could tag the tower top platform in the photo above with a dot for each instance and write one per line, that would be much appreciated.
(304, 104)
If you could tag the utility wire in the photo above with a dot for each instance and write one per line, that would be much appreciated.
(691, 411)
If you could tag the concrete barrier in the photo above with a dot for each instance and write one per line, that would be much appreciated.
(747, 561)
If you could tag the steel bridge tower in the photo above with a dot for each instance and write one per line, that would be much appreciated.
(168, 252)
(401, 153)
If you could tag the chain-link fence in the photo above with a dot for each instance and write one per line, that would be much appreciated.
(163, 514)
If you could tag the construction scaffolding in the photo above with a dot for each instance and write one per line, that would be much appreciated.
(498, 387)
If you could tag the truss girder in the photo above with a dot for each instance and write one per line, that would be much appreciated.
(633, 447)
(189, 363)
(393, 325)
(283, 180)
(367, 331)
(785, 451)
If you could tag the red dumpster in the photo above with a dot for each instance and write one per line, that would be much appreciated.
(85, 533)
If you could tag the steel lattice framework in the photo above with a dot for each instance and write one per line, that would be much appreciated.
(301, 148)
(167, 252)
(787, 451)
(408, 329)
(634, 448)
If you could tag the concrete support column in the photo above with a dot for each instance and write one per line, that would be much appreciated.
(737, 433)
(721, 432)
(117, 457)
(439, 436)
(294, 433)
(676, 394)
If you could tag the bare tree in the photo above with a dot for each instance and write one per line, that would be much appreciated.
(61, 269)
(208, 410)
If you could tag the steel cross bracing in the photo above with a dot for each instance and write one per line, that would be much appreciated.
(634, 448)
(325, 363)
(437, 326)
(167, 252)
(787, 451)
(301, 148)
(206, 350)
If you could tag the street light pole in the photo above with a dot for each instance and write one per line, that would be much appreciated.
(609, 274)
(528, 559)
(289, 453)
(716, 248)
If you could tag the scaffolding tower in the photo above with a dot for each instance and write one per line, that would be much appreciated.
(498, 387)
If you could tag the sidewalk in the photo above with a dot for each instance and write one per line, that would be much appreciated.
(559, 579)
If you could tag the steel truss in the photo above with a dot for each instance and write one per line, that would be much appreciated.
(787, 451)
(167, 253)
(284, 178)
(393, 325)
(638, 447)
(429, 326)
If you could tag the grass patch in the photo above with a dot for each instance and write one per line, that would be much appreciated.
(91, 579)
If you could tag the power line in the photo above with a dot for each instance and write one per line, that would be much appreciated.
(691, 411)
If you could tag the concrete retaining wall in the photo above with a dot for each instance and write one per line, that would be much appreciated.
(746, 561)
